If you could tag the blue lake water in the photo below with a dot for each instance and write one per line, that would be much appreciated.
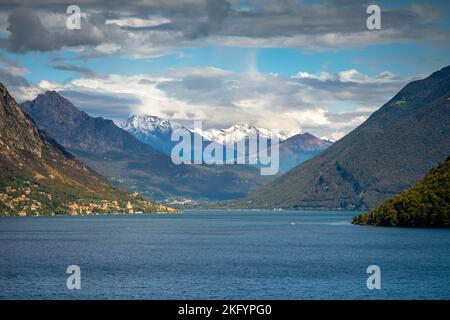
(220, 255)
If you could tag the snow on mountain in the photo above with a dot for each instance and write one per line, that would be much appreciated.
(239, 132)
(149, 125)
(294, 147)
(152, 130)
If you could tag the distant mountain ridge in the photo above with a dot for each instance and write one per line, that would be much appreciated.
(132, 164)
(157, 131)
(294, 148)
(239, 132)
(386, 154)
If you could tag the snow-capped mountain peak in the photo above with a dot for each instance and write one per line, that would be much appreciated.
(149, 124)
(157, 132)
(152, 130)
(239, 132)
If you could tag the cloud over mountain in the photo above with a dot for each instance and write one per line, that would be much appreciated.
(221, 98)
(222, 60)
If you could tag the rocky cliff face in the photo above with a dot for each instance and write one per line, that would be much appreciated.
(76, 130)
(38, 176)
(30, 151)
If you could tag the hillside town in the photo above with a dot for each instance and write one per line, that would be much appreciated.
(28, 200)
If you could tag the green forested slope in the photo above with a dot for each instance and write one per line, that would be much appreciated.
(426, 204)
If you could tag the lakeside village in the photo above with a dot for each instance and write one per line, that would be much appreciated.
(27, 201)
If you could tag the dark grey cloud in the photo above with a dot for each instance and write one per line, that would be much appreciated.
(329, 17)
(200, 89)
(81, 71)
(328, 24)
(216, 12)
(11, 75)
(28, 33)
(363, 93)
(169, 114)
(200, 20)
(5, 61)
(347, 117)
(108, 105)
(146, 81)
(11, 80)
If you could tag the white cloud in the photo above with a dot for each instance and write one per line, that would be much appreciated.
(45, 85)
(222, 98)
(351, 75)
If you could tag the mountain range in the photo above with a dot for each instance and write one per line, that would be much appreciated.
(239, 132)
(393, 149)
(294, 148)
(388, 153)
(132, 164)
(38, 176)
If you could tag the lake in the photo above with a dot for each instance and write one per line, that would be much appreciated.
(220, 255)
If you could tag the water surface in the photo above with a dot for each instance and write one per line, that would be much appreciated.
(220, 255)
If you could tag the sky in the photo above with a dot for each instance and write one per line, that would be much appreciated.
(308, 66)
